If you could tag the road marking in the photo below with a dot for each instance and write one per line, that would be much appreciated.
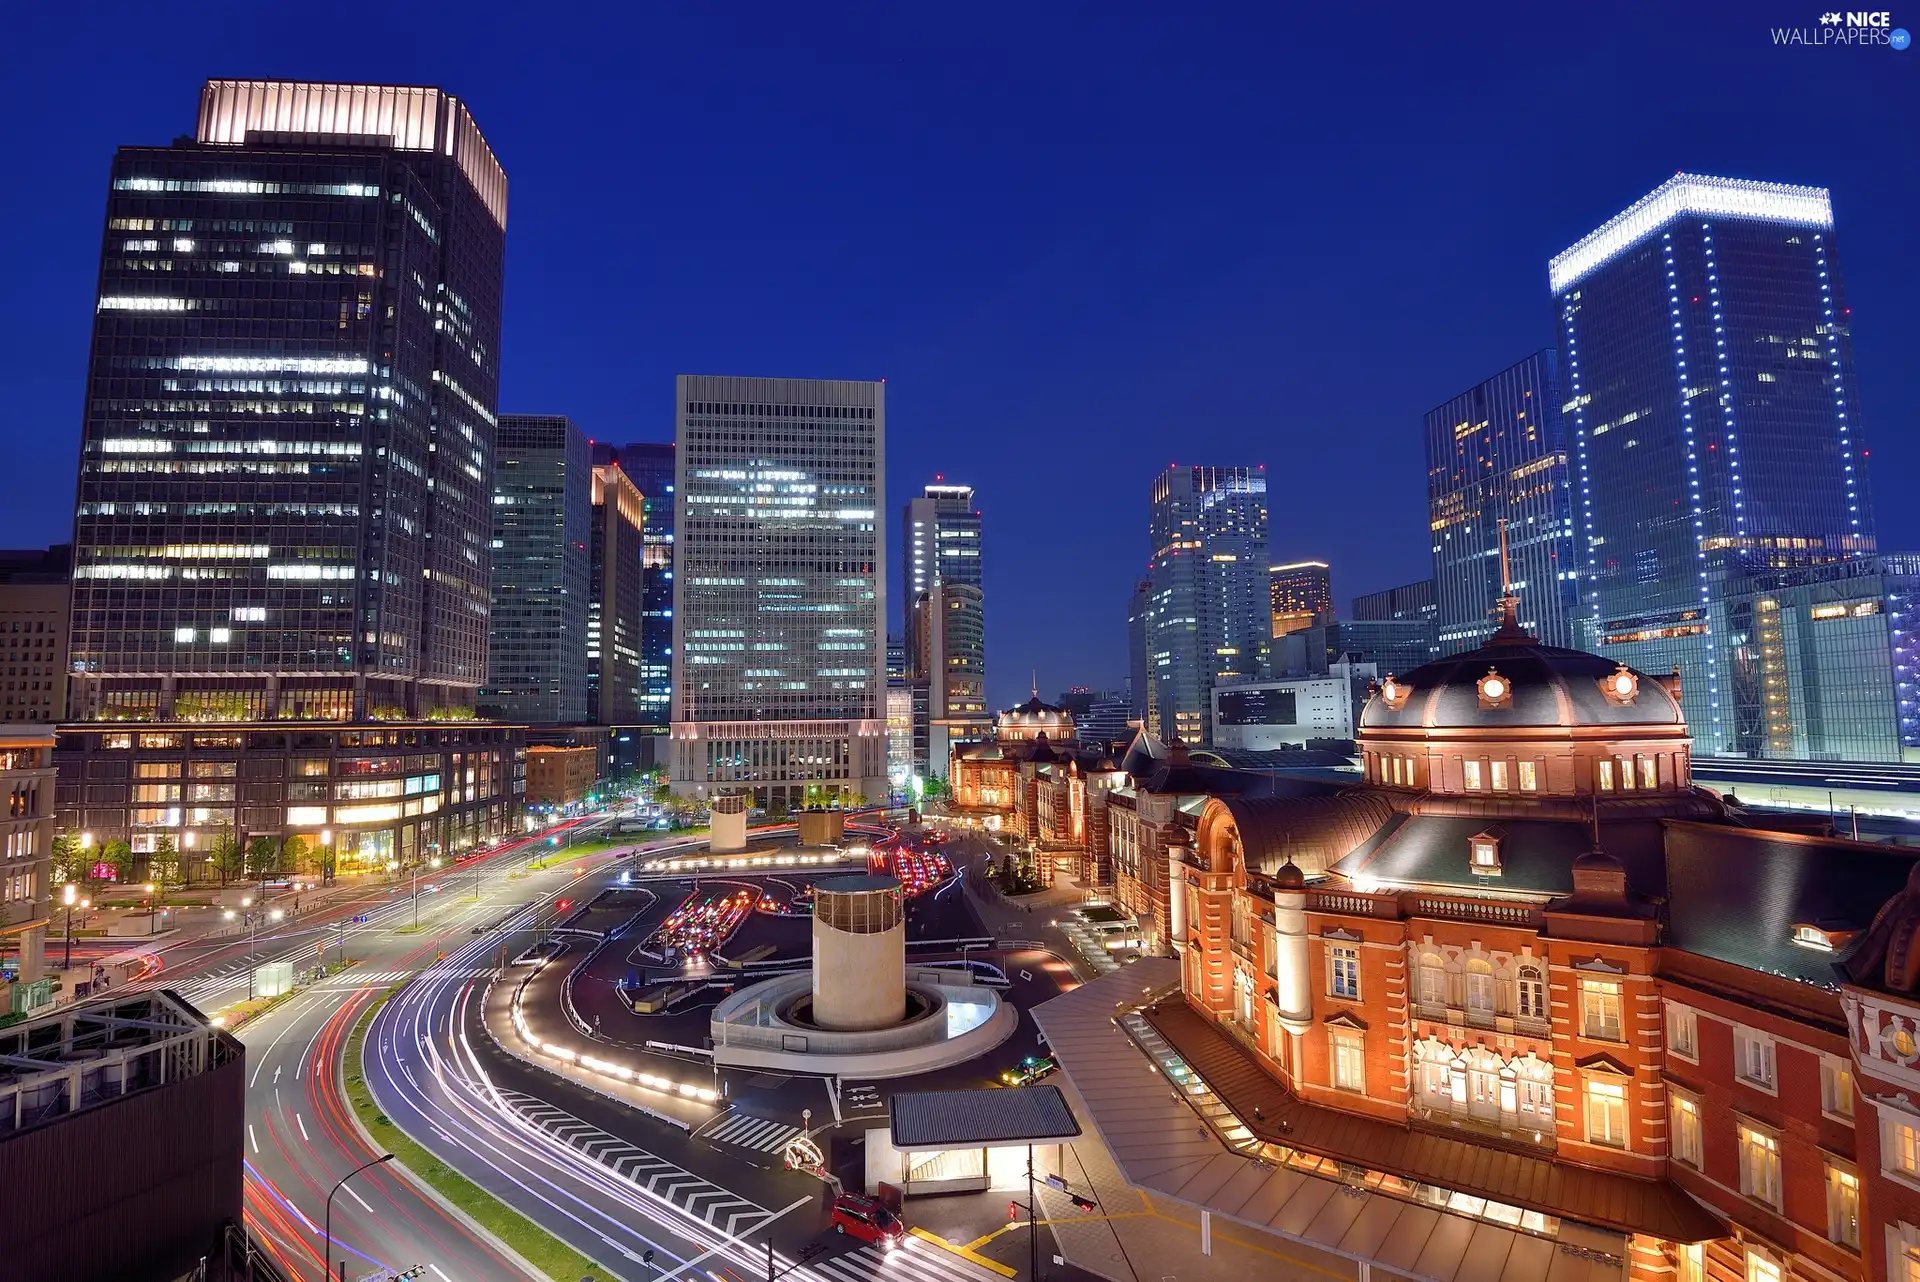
(437, 1269)
(732, 1239)
(254, 1138)
(303, 1126)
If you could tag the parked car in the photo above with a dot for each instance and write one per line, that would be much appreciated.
(868, 1220)
(1030, 1069)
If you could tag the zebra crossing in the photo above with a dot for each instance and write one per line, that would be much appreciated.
(744, 1130)
(700, 1198)
(912, 1261)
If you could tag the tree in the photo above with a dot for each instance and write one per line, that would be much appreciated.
(263, 857)
(1009, 876)
(856, 801)
(229, 860)
(776, 809)
(934, 788)
(163, 865)
(115, 861)
(67, 856)
(294, 852)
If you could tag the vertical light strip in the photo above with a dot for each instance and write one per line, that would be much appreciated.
(1574, 398)
(1726, 385)
(1693, 478)
(1839, 393)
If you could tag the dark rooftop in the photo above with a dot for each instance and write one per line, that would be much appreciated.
(981, 1119)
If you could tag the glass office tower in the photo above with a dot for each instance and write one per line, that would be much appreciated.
(616, 575)
(542, 509)
(939, 543)
(1209, 616)
(1715, 421)
(779, 607)
(1497, 453)
(649, 465)
(285, 496)
(1300, 594)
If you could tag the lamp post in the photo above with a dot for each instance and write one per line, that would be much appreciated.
(69, 896)
(328, 1261)
(326, 860)
(152, 904)
(253, 929)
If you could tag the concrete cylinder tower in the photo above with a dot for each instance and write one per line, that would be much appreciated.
(859, 953)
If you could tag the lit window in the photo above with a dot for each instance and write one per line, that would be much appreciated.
(1753, 1058)
(1836, 1086)
(1899, 1147)
(1761, 1267)
(1626, 775)
(183, 634)
(1349, 1060)
(1843, 1207)
(1693, 1262)
(1485, 854)
(1607, 1112)
(1529, 780)
(1685, 1112)
(1760, 1165)
(1533, 993)
(1343, 970)
(1433, 980)
(1473, 774)
(1606, 775)
(220, 636)
(1498, 771)
(1683, 1032)
(1812, 937)
(1600, 1009)
(1650, 773)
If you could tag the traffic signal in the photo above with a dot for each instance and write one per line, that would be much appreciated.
(1084, 1203)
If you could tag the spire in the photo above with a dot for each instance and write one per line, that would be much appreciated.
(1509, 632)
(1036, 683)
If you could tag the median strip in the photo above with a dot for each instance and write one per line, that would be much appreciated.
(533, 1244)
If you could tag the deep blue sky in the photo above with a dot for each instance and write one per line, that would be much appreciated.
(1079, 243)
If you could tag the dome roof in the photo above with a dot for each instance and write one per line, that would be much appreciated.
(1035, 710)
(1539, 685)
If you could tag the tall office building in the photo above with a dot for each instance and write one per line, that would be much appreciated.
(33, 633)
(1716, 432)
(650, 466)
(542, 511)
(1497, 455)
(285, 501)
(950, 628)
(1139, 665)
(615, 571)
(1208, 612)
(1300, 594)
(939, 543)
(779, 610)
(1407, 602)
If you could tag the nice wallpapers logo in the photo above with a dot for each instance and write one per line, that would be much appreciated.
(1850, 30)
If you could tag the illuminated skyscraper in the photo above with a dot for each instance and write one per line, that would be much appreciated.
(1498, 453)
(939, 543)
(779, 588)
(1300, 594)
(1208, 610)
(285, 498)
(649, 465)
(616, 572)
(542, 506)
(1716, 436)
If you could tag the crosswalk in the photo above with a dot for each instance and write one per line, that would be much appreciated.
(227, 978)
(744, 1130)
(698, 1197)
(912, 1261)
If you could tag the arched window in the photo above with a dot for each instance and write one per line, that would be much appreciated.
(1433, 980)
(1532, 994)
(1480, 989)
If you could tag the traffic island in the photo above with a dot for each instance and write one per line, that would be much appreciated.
(533, 1244)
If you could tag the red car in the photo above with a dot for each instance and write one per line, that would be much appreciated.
(868, 1220)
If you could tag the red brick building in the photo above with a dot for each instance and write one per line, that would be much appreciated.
(1527, 973)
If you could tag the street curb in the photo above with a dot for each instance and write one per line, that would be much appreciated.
(420, 1184)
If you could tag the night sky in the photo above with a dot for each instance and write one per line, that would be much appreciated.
(1079, 244)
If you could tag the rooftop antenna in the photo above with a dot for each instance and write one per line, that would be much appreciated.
(1036, 683)
(1509, 629)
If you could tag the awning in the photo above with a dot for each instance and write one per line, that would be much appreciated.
(1005, 1118)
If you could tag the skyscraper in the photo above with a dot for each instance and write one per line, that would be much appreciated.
(1208, 613)
(649, 465)
(1300, 594)
(286, 478)
(615, 574)
(779, 588)
(950, 629)
(33, 633)
(542, 509)
(1139, 666)
(1710, 383)
(285, 514)
(1497, 453)
(939, 543)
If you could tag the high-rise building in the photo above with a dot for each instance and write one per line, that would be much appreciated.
(939, 543)
(950, 631)
(285, 498)
(1208, 612)
(615, 572)
(649, 465)
(1408, 601)
(33, 633)
(285, 508)
(779, 610)
(1497, 458)
(1902, 571)
(1139, 665)
(542, 511)
(1716, 430)
(1300, 594)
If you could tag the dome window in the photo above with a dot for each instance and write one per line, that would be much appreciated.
(1394, 693)
(1621, 686)
(1495, 690)
(1483, 853)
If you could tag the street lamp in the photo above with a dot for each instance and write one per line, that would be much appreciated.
(328, 1247)
(152, 904)
(69, 896)
(253, 932)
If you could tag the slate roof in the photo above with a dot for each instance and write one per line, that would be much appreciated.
(1536, 855)
(1551, 687)
(1735, 894)
(922, 1120)
(1318, 831)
